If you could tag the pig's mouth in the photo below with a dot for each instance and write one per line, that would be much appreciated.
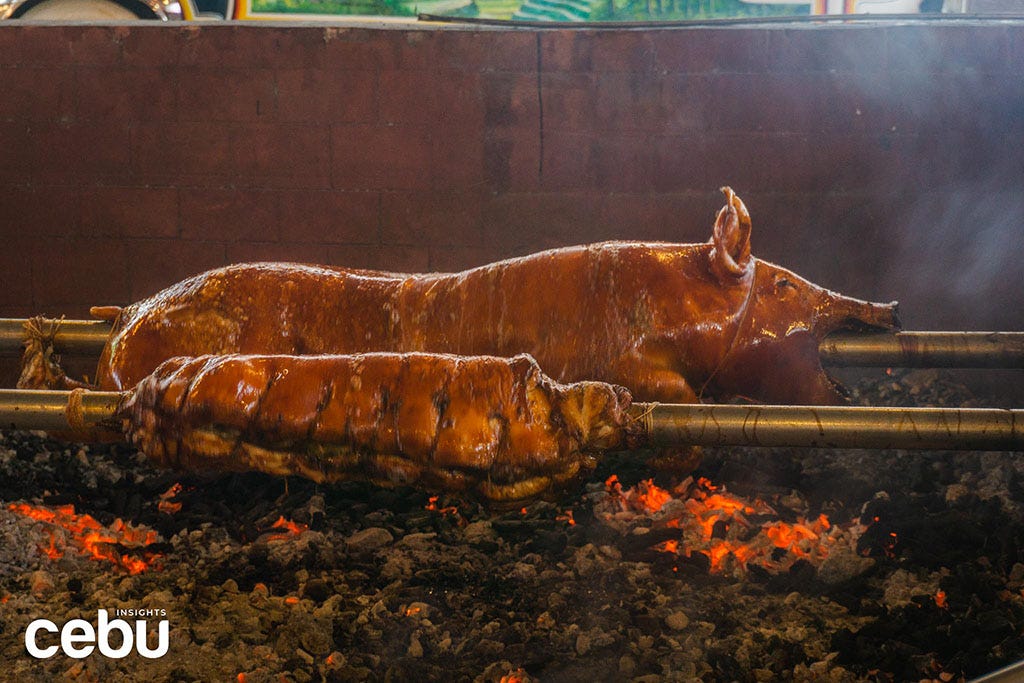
(784, 370)
(865, 317)
(800, 356)
(838, 387)
(763, 365)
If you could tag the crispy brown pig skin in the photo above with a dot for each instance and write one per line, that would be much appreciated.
(495, 427)
(673, 322)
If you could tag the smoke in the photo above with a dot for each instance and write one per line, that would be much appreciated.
(971, 243)
(957, 255)
(950, 116)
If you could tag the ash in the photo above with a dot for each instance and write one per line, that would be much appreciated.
(266, 579)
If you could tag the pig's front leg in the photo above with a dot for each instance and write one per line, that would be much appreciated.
(649, 383)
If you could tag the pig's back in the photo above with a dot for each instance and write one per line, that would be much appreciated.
(577, 310)
(249, 308)
(574, 309)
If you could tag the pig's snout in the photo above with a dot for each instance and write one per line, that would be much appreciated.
(854, 314)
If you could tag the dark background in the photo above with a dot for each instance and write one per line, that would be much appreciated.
(881, 160)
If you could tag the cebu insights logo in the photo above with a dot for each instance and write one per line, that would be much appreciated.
(78, 638)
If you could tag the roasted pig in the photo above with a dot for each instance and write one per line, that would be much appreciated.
(493, 427)
(673, 322)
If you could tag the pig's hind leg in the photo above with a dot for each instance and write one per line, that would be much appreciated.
(40, 366)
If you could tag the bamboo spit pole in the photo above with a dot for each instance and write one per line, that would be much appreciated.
(698, 424)
(883, 349)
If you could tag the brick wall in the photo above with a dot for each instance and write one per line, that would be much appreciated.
(883, 161)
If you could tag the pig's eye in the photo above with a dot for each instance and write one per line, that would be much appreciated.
(784, 288)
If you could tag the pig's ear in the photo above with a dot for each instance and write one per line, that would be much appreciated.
(730, 255)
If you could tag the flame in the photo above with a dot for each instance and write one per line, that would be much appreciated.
(724, 528)
(411, 611)
(291, 600)
(91, 538)
(567, 518)
(940, 600)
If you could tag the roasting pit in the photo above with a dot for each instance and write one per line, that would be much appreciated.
(874, 156)
(917, 573)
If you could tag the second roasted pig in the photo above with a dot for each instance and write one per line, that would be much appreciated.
(494, 427)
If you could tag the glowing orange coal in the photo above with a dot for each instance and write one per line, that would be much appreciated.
(644, 497)
(514, 676)
(733, 533)
(166, 504)
(287, 527)
(90, 538)
(432, 506)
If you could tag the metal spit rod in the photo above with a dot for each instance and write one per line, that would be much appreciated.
(884, 349)
(981, 429)
(925, 349)
(76, 337)
(699, 424)
(56, 410)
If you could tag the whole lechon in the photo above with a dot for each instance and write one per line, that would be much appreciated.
(673, 322)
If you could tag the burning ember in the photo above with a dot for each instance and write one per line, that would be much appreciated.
(288, 528)
(517, 676)
(567, 518)
(166, 503)
(916, 574)
(734, 534)
(447, 510)
(90, 538)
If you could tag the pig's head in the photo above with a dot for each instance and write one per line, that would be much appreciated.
(773, 355)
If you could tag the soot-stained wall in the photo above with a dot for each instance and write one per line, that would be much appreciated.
(881, 160)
